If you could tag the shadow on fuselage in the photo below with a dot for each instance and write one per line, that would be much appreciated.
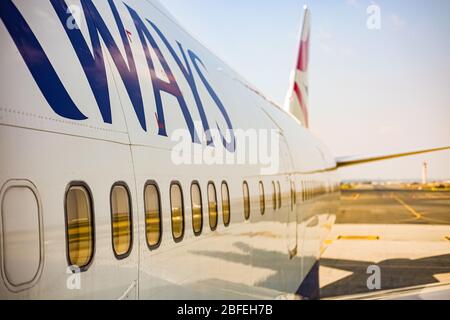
(284, 273)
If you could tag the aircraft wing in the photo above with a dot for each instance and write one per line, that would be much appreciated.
(356, 160)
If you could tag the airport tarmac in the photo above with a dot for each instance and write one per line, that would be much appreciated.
(406, 233)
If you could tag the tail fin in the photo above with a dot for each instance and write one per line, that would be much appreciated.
(297, 98)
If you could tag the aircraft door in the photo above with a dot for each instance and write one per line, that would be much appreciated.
(290, 207)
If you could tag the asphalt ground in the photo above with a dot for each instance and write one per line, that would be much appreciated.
(404, 233)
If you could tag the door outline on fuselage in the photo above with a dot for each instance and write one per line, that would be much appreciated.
(292, 219)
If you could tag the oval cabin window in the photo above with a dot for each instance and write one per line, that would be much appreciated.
(293, 196)
(21, 247)
(262, 199)
(197, 208)
(121, 223)
(226, 204)
(279, 194)
(246, 201)
(152, 203)
(212, 206)
(177, 209)
(79, 226)
(274, 196)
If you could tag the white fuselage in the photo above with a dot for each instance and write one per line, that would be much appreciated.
(47, 144)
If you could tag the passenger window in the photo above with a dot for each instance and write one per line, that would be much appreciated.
(121, 220)
(197, 208)
(177, 209)
(295, 191)
(246, 201)
(307, 190)
(212, 206)
(279, 194)
(293, 195)
(303, 191)
(79, 226)
(274, 196)
(226, 204)
(262, 199)
(21, 235)
(152, 202)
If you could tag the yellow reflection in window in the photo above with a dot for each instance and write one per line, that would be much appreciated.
(121, 220)
(279, 194)
(176, 200)
(225, 204)
(262, 199)
(152, 215)
(274, 196)
(246, 201)
(197, 208)
(293, 200)
(212, 206)
(79, 226)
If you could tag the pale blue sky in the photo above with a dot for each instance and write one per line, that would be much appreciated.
(370, 91)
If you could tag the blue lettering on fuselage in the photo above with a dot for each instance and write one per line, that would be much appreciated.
(159, 85)
(93, 64)
(38, 63)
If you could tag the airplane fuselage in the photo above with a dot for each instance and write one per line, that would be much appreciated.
(99, 97)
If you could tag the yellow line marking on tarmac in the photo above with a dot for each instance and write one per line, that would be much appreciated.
(409, 208)
(359, 238)
(356, 196)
